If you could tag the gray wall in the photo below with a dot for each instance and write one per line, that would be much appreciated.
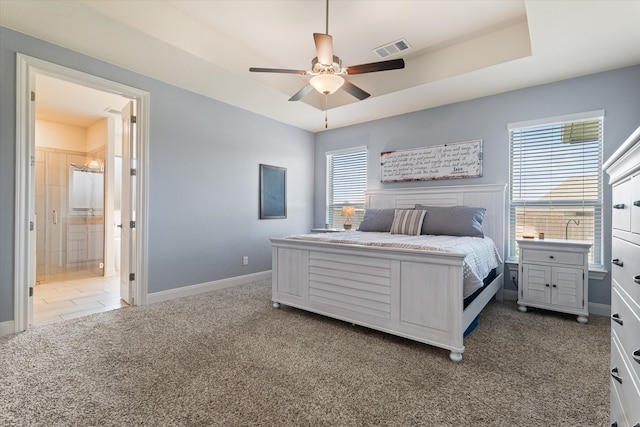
(203, 176)
(616, 92)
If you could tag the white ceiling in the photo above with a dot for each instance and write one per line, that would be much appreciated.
(460, 49)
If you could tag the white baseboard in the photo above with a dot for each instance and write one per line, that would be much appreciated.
(206, 287)
(509, 295)
(595, 308)
(6, 328)
(599, 309)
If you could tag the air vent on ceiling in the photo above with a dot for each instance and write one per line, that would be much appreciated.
(110, 110)
(392, 48)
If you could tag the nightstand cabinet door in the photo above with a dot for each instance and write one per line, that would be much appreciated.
(536, 283)
(566, 287)
(552, 285)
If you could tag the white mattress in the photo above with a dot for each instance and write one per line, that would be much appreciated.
(481, 254)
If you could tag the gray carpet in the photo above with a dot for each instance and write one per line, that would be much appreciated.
(228, 358)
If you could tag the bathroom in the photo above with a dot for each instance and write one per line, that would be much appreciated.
(77, 198)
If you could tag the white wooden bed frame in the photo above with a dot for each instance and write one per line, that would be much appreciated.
(412, 294)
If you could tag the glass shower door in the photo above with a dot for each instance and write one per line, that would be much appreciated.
(70, 217)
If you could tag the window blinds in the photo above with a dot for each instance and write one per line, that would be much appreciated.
(556, 182)
(346, 183)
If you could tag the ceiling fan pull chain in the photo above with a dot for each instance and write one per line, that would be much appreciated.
(326, 108)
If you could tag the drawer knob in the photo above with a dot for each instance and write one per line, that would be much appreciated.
(617, 262)
(636, 355)
(616, 318)
(551, 257)
(636, 203)
(637, 279)
(614, 374)
(618, 206)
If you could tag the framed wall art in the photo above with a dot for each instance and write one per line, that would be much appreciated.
(273, 192)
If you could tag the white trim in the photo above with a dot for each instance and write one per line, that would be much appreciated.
(509, 295)
(597, 309)
(7, 328)
(26, 68)
(23, 211)
(202, 288)
(346, 150)
(597, 114)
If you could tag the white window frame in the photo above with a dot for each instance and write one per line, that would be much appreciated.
(597, 250)
(358, 202)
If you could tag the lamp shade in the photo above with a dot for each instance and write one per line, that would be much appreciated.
(326, 83)
(348, 211)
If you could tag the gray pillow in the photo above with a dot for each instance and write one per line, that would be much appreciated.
(453, 220)
(377, 220)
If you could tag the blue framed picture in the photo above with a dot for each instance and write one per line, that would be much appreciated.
(273, 192)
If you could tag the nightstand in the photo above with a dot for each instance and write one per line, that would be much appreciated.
(554, 275)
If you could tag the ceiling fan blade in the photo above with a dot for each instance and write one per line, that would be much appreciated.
(301, 93)
(276, 70)
(393, 64)
(354, 90)
(324, 48)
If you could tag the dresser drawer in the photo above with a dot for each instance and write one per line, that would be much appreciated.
(621, 209)
(629, 331)
(551, 257)
(635, 204)
(616, 414)
(626, 275)
(624, 384)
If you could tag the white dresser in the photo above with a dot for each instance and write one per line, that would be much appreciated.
(554, 275)
(624, 176)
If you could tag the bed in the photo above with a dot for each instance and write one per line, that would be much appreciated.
(412, 290)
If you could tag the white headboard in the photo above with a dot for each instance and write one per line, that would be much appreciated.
(491, 197)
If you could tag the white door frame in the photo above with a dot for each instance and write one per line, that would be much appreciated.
(26, 69)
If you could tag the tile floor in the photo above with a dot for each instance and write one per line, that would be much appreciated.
(68, 299)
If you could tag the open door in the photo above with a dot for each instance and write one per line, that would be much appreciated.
(128, 207)
(31, 205)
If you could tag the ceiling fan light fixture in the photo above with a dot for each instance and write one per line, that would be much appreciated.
(326, 83)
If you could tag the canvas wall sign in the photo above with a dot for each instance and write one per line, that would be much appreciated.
(446, 161)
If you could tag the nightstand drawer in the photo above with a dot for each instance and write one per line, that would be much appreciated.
(552, 257)
(625, 268)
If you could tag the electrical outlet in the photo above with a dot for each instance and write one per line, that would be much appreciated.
(245, 260)
(513, 274)
(101, 265)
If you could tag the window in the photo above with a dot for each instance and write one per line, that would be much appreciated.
(556, 181)
(346, 184)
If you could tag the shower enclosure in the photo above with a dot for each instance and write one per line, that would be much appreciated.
(69, 215)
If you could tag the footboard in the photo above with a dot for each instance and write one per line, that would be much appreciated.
(414, 295)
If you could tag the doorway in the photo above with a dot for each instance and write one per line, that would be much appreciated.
(84, 242)
(78, 130)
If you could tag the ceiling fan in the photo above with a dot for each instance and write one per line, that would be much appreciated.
(327, 70)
